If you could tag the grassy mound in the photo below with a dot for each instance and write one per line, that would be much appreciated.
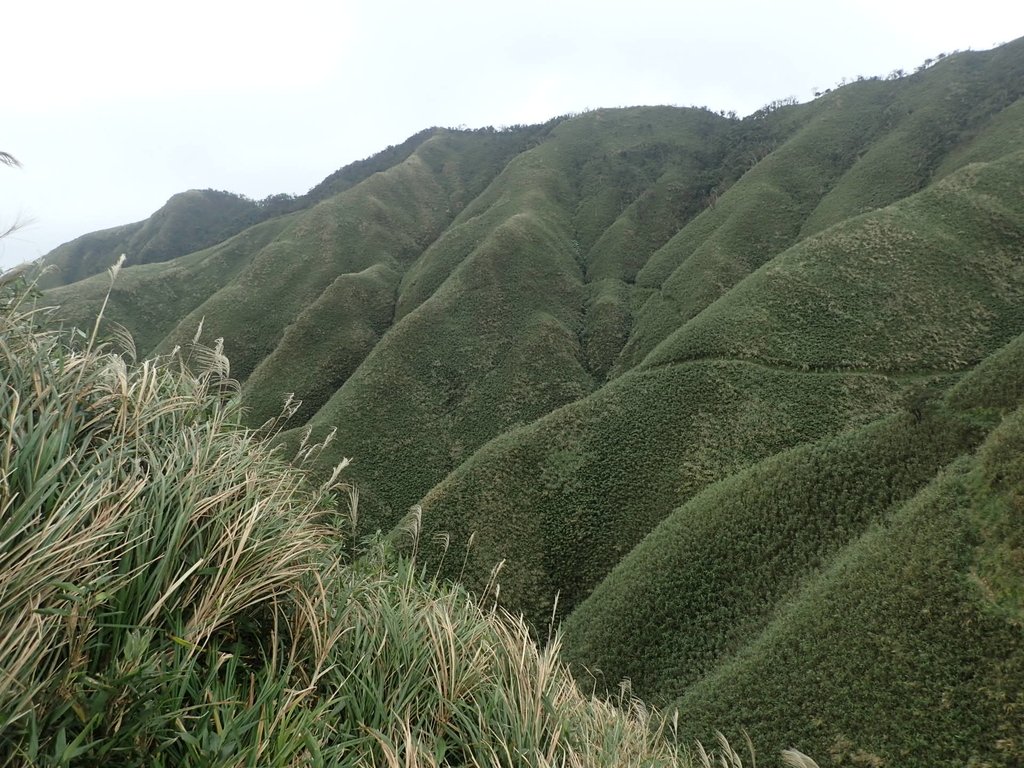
(563, 499)
(910, 644)
(709, 578)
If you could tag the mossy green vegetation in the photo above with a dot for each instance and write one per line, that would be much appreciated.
(910, 643)
(710, 577)
(563, 499)
(930, 283)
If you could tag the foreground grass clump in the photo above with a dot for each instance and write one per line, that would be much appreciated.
(174, 593)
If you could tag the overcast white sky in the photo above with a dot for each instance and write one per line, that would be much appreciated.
(112, 106)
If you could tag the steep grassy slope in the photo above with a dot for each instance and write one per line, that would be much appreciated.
(257, 290)
(929, 118)
(862, 147)
(930, 283)
(902, 614)
(197, 219)
(180, 285)
(342, 324)
(933, 282)
(563, 499)
(491, 315)
(609, 163)
(188, 222)
(709, 578)
(387, 219)
(909, 645)
(996, 382)
(757, 218)
(496, 276)
(171, 595)
(1001, 136)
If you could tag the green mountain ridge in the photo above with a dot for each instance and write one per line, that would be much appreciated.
(720, 394)
(188, 222)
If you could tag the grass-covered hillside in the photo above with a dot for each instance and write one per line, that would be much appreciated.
(732, 400)
(174, 593)
(187, 222)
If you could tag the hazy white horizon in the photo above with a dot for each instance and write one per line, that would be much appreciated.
(114, 106)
